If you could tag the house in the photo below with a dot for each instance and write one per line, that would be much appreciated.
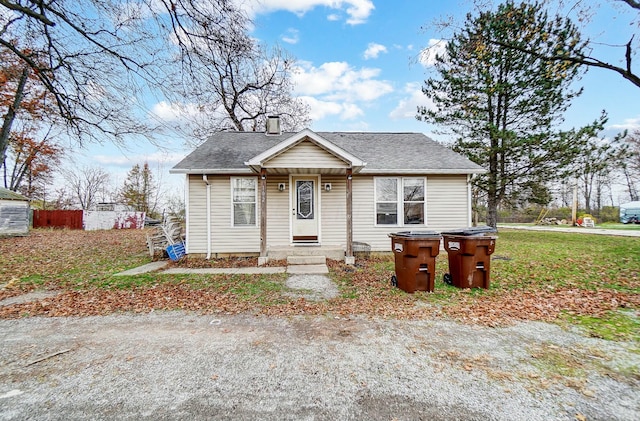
(14, 213)
(270, 194)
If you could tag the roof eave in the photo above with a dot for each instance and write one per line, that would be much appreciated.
(210, 171)
(455, 171)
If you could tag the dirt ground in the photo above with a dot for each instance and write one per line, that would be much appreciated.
(178, 365)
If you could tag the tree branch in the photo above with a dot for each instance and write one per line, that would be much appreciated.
(29, 12)
(626, 73)
(632, 3)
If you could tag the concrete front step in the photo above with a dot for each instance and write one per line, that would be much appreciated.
(279, 253)
(307, 269)
(306, 260)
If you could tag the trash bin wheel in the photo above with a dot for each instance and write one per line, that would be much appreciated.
(447, 279)
(394, 281)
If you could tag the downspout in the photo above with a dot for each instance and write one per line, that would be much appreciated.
(470, 178)
(206, 181)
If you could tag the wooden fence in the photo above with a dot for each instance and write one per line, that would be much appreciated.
(71, 219)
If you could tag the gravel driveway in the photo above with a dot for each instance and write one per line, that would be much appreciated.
(177, 365)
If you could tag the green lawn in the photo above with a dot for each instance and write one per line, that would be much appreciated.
(576, 279)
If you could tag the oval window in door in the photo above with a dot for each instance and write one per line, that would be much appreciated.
(304, 193)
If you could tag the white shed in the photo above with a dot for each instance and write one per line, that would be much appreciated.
(14, 213)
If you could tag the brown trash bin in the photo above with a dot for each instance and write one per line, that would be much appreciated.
(415, 259)
(469, 255)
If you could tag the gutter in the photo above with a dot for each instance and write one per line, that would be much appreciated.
(206, 181)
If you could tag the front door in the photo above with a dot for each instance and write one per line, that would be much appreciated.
(305, 205)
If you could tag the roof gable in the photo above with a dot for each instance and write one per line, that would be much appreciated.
(300, 138)
(305, 154)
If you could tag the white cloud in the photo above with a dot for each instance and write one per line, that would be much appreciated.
(292, 36)
(337, 81)
(629, 124)
(320, 109)
(373, 50)
(153, 159)
(436, 47)
(173, 112)
(351, 112)
(357, 10)
(408, 106)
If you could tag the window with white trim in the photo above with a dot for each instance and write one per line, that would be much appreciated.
(400, 196)
(244, 197)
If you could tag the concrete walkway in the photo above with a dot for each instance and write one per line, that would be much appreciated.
(309, 281)
(159, 266)
(230, 271)
(580, 230)
(149, 267)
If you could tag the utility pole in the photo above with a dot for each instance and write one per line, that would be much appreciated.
(574, 206)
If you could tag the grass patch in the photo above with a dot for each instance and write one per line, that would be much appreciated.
(572, 366)
(620, 325)
(577, 278)
(553, 260)
(619, 226)
(261, 289)
(554, 360)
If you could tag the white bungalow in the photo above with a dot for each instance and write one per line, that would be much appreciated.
(276, 194)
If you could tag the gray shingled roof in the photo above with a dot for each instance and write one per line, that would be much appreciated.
(381, 151)
(6, 194)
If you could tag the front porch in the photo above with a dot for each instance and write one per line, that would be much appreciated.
(319, 191)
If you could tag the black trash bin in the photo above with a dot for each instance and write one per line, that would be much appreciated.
(415, 259)
(469, 251)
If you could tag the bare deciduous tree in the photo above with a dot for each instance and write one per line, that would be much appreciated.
(97, 58)
(86, 184)
(237, 86)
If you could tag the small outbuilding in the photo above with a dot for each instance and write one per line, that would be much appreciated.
(14, 213)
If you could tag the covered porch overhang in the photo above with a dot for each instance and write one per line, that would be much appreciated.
(306, 153)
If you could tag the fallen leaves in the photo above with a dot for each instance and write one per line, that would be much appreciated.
(516, 305)
(80, 265)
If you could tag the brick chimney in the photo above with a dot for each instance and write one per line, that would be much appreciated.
(273, 125)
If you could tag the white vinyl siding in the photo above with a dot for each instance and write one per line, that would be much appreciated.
(334, 211)
(278, 211)
(197, 215)
(446, 202)
(446, 199)
(305, 155)
(225, 238)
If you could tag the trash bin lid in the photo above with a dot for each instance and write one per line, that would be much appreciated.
(415, 234)
(471, 231)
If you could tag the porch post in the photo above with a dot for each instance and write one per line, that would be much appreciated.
(349, 259)
(263, 218)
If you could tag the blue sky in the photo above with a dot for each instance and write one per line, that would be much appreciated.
(360, 70)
